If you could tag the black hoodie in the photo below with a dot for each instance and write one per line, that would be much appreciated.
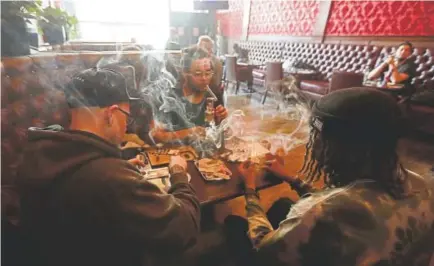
(82, 204)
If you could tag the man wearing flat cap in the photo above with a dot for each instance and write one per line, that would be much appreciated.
(82, 204)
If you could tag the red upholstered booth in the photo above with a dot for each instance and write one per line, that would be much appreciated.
(342, 66)
(329, 58)
(260, 53)
(326, 58)
(331, 61)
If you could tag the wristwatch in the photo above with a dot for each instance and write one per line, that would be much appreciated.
(176, 169)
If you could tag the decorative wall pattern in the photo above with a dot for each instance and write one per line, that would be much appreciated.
(381, 18)
(296, 18)
(231, 21)
(347, 18)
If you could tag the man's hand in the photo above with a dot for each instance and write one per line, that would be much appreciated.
(390, 60)
(177, 164)
(136, 161)
(220, 113)
(278, 168)
(249, 172)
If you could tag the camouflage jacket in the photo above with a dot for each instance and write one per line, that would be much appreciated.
(356, 225)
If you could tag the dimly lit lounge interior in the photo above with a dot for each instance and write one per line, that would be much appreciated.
(213, 132)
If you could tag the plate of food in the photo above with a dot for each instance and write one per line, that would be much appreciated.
(213, 169)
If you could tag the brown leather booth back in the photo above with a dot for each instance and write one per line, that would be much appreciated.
(424, 60)
(262, 52)
(327, 58)
(31, 97)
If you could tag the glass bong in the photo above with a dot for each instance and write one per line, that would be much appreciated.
(209, 112)
(212, 130)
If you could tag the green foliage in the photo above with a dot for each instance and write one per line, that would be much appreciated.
(57, 16)
(45, 16)
(24, 9)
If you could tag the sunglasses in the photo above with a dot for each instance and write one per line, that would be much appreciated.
(130, 120)
(202, 74)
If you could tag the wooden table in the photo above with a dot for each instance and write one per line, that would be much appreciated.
(211, 192)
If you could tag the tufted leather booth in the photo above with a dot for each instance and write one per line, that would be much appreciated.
(327, 59)
(261, 52)
(30, 98)
(342, 65)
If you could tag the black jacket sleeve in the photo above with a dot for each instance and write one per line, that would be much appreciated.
(142, 211)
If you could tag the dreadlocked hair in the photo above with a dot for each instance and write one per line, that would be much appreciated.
(338, 157)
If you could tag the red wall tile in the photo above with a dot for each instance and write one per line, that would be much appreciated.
(347, 18)
(296, 18)
(379, 18)
(231, 21)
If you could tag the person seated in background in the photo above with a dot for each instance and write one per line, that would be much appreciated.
(82, 204)
(241, 54)
(205, 42)
(243, 70)
(398, 68)
(182, 114)
(373, 212)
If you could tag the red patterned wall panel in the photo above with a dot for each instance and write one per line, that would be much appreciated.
(379, 18)
(296, 18)
(231, 21)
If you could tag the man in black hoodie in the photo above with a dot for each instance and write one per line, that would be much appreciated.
(83, 205)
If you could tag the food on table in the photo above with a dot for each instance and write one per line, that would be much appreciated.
(188, 153)
(213, 169)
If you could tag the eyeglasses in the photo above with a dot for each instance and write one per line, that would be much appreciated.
(207, 74)
(130, 120)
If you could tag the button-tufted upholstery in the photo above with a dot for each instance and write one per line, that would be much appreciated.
(336, 61)
(30, 98)
(327, 58)
(261, 52)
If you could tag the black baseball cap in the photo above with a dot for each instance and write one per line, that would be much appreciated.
(97, 87)
(358, 112)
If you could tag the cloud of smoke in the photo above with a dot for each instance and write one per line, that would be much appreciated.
(280, 126)
(286, 104)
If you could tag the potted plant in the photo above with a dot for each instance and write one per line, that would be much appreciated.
(14, 18)
(56, 25)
